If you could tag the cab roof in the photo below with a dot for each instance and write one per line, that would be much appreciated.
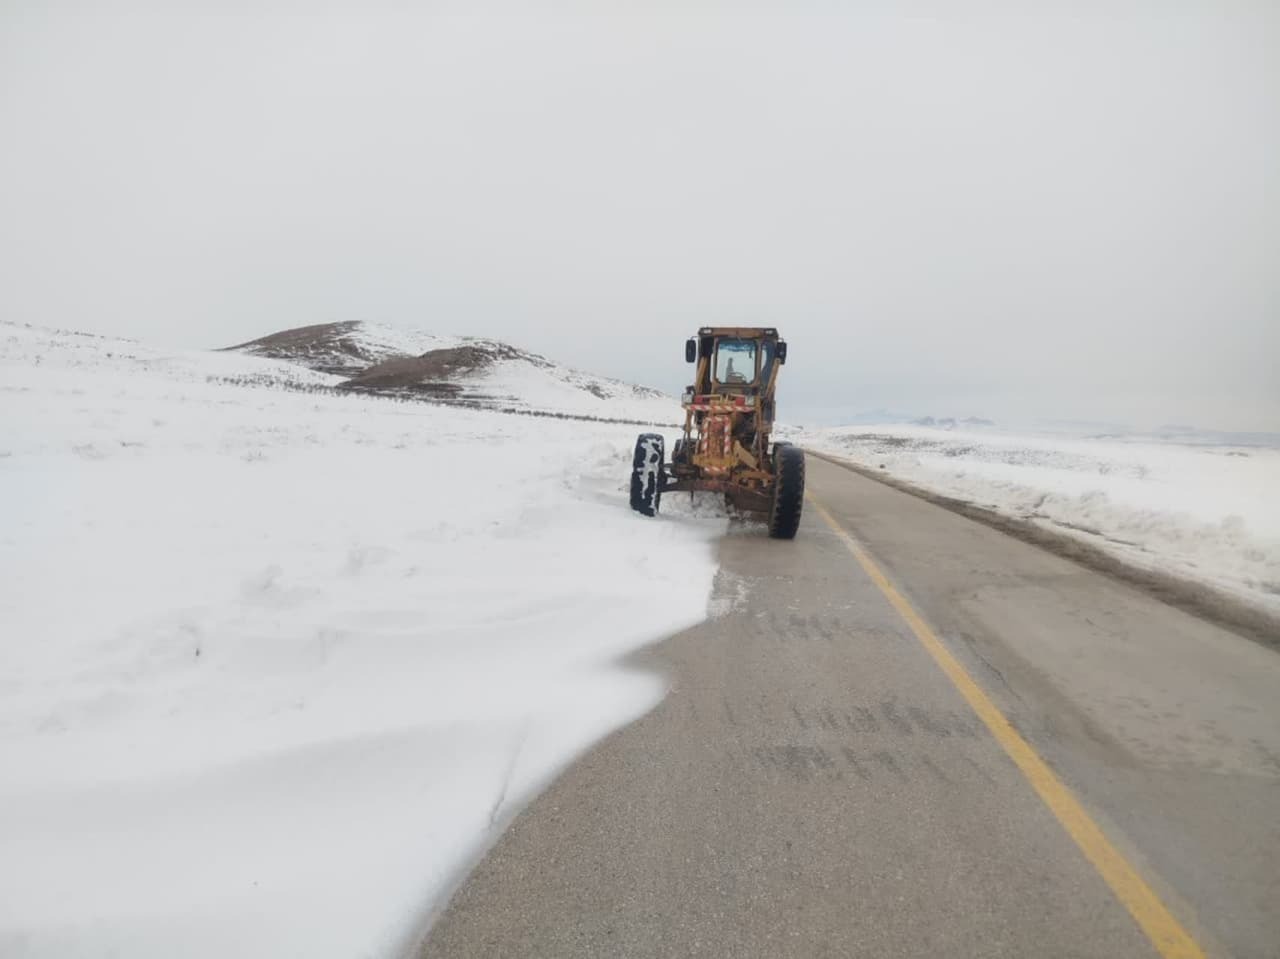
(745, 332)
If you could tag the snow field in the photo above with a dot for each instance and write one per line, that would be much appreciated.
(277, 665)
(1206, 512)
(523, 385)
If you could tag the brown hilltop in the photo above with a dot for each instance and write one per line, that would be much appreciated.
(326, 347)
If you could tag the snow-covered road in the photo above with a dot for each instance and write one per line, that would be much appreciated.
(276, 665)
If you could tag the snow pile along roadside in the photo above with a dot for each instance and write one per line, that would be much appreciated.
(1204, 512)
(277, 664)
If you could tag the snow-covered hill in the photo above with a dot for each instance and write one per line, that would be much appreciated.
(278, 659)
(469, 371)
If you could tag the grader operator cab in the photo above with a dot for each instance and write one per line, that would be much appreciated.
(725, 448)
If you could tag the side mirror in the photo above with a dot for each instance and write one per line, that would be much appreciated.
(691, 350)
(782, 351)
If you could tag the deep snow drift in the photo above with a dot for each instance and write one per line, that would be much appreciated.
(276, 663)
(1205, 512)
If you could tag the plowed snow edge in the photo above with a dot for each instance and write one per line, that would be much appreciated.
(1192, 596)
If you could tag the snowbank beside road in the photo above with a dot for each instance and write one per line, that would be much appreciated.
(277, 664)
(1209, 513)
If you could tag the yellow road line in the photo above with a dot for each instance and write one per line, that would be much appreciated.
(1164, 931)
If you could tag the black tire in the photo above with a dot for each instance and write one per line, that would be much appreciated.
(788, 491)
(678, 451)
(646, 474)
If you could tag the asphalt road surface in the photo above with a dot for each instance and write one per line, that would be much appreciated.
(820, 781)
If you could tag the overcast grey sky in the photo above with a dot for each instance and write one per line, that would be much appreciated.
(1013, 210)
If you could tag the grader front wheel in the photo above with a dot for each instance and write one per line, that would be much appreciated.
(646, 474)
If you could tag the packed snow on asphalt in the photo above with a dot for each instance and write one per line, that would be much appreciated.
(278, 663)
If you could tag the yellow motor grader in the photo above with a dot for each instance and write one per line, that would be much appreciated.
(725, 448)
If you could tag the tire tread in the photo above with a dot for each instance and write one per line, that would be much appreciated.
(646, 477)
(788, 492)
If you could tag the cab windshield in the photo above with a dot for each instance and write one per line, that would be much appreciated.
(736, 361)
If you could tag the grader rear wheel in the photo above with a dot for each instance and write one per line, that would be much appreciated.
(788, 491)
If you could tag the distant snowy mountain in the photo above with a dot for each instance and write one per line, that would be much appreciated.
(950, 422)
(466, 371)
(887, 417)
